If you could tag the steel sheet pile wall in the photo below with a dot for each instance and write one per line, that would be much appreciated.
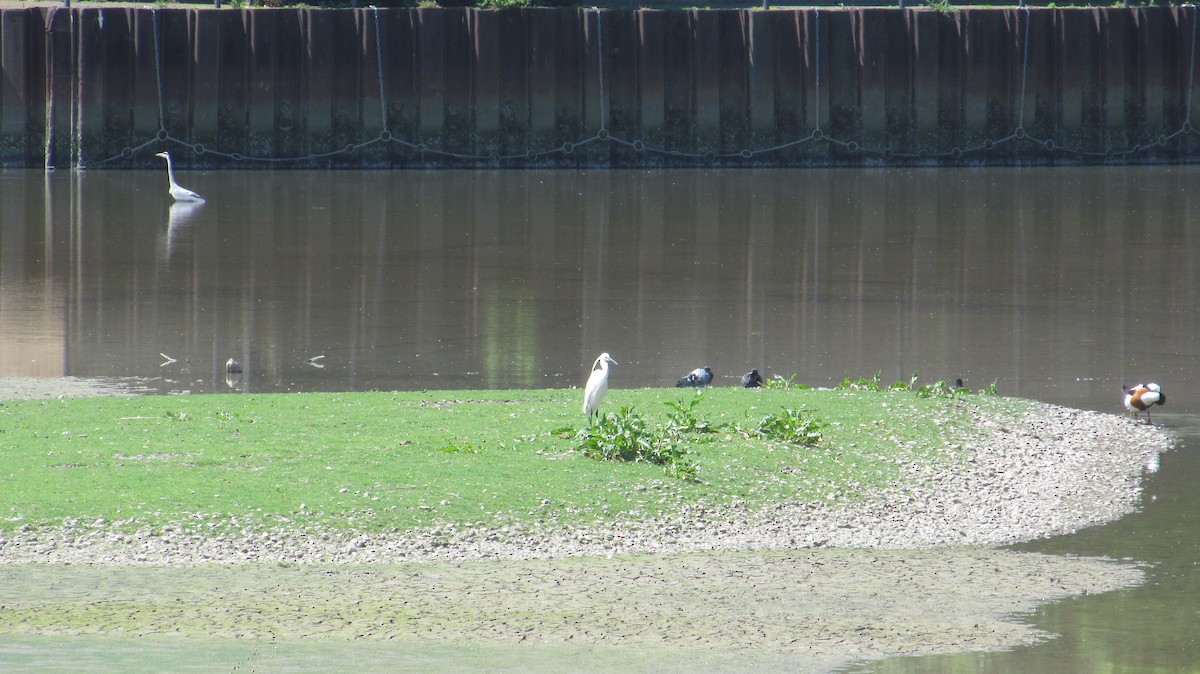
(105, 87)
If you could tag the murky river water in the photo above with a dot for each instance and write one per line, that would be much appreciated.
(1056, 284)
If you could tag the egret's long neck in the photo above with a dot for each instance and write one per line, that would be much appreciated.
(170, 171)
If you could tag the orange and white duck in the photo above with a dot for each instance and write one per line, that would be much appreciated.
(1141, 397)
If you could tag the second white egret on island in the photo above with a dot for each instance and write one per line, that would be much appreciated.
(597, 385)
(179, 192)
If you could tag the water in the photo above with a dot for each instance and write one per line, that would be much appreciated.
(1151, 628)
(1056, 284)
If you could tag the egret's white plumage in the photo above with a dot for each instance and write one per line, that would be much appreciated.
(1141, 397)
(179, 192)
(597, 385)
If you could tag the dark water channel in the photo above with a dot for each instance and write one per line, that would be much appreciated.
(1057, 284)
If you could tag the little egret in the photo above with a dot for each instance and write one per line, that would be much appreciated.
(701, 376)
(179, 192)
(752, 379)
(232, 366)
(1141, 398)
(597, 386)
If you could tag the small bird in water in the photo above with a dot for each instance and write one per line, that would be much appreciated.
(597, 385)
(179, 192)
(752, 379)
(701, 376)
(1141, 397)
(232, 366)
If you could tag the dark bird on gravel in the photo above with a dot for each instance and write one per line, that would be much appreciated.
(1141, 397)
(752, 379)
(701, 376)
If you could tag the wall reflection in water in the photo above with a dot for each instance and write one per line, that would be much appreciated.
(1056, 282)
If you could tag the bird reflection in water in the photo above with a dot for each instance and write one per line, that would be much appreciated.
(179, 221)
(233, 374)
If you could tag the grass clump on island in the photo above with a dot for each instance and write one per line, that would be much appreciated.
(399, 461)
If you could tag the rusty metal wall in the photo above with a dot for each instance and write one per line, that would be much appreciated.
(453, 87)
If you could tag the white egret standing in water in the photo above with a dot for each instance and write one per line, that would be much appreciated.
(178, 191)
(597, 385)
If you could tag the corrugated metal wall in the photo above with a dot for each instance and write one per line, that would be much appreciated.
(377, 88)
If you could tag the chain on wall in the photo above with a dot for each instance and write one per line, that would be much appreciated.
(881, 155)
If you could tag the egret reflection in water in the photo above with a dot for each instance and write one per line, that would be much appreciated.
(179, 223)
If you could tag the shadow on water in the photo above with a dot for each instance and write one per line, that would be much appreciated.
(1058, 284)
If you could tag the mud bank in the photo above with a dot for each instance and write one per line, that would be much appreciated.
(798, 611)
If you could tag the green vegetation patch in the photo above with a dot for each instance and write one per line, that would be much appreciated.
(377, 462)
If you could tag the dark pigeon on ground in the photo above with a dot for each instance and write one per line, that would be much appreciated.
(701, 376)
(752, 379)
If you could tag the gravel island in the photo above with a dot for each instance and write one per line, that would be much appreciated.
(807, 587)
